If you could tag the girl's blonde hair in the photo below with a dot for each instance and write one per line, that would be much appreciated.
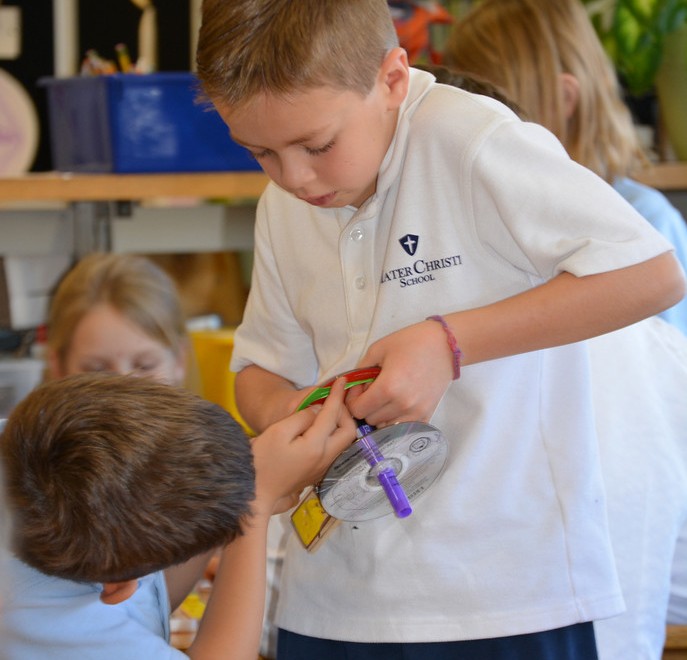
(248, 47)
(134, 286)
(523, 47)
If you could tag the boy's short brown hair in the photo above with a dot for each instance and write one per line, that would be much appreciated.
(247, 47)
(114, 477)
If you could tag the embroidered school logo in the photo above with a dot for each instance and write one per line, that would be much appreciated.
(421, 270)
(409, 243)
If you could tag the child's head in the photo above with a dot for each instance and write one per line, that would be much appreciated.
(251, 47)
(118, 313)
(111, 477)
(547, 58)
(310, 88)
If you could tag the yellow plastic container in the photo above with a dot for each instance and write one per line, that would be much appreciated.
(213, 350)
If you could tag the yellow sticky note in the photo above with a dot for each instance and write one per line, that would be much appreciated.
(193, 606)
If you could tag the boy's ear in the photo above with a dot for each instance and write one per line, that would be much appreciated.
(395, 76)
(570, 87)
(117, 592)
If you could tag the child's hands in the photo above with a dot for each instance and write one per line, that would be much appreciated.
(295, 452)
(417, 368)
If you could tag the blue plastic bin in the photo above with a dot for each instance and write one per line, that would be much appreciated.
(138, 123)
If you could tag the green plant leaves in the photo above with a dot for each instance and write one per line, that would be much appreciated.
(635, 38)
(639, 43)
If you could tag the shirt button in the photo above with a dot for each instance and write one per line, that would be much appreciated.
(357, 234)
(360, 282)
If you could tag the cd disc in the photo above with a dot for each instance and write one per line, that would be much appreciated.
(415, 451)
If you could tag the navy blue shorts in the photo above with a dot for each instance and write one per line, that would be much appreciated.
(570, 643)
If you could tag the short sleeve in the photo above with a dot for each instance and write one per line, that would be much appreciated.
(522, 176)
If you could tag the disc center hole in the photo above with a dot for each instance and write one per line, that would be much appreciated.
(392, 463)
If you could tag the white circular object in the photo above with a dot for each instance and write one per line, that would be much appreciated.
(19, 127)
(416, 452)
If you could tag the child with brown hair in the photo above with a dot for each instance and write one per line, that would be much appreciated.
(122, 313)
(428, 231)
(116, 483)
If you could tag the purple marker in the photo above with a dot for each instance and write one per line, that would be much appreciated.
(381, 468)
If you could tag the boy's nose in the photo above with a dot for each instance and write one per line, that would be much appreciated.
(296, 173)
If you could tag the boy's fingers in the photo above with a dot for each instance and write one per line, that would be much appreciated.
(333, 429)
(317, 420)
(333, 411)
(326, 413)
(298, 423)
(341, 430)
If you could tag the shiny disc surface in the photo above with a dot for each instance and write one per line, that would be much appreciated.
(417, 453)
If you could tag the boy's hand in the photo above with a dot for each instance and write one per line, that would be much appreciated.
(417, 368)
(295, 452)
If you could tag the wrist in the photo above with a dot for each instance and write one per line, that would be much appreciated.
(261, 511)
(452, 344)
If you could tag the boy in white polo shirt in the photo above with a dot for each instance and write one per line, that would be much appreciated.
(395, 200)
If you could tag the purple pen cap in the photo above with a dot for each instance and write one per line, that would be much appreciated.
(384, 470)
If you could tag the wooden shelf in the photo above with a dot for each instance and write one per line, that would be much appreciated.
(676, 643)
(666, 176)
(71, 187)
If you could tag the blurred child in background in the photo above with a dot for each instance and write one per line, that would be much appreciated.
(546, 57)
(117, 313)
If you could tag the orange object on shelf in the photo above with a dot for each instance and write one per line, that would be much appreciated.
(413, 22)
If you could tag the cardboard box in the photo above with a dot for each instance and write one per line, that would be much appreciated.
(129, 123)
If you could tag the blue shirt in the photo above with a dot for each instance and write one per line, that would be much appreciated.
(656, 208)
(48, 617)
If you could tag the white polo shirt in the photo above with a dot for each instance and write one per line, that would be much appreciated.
(472, 206)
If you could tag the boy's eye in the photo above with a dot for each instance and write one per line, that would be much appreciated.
(320, 150)
(312, 151)
(257, 155)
